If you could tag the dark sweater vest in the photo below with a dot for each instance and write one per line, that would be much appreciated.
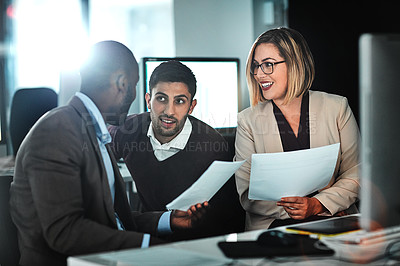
(160, 182)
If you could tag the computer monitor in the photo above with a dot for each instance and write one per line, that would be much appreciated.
(217, 87)
(380, 130)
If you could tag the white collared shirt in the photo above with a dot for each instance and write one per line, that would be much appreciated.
(166, 150)
(103, 138)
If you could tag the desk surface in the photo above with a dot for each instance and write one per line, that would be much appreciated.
(206, 252)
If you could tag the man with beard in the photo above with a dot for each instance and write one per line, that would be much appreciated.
(67, 197)
(166, 150)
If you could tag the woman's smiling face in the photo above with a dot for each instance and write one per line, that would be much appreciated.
(274, 85)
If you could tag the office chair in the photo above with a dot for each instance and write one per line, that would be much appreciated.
(229, 134)
(27, 106)
(9, 251)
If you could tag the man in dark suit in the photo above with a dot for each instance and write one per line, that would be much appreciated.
(67, 197)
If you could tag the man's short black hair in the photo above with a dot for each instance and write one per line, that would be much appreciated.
(173, 71)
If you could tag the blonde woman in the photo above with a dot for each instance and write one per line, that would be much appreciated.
(286, 116)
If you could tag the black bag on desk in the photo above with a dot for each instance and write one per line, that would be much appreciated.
(304, 246)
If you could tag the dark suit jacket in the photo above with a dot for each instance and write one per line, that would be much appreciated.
(60, 198)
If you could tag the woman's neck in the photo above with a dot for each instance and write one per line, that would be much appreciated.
(292, 113)
(291, 108)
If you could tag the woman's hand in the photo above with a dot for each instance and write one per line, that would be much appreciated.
(188, 219)
(300, 208)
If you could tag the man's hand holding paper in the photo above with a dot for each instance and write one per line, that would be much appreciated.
(206, 186)
(190, 218)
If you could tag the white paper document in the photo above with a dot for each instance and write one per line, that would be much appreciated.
(206, 186)
(296, 173)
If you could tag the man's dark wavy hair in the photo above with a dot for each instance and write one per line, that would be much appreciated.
(174, 71)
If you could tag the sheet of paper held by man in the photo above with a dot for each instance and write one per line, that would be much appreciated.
(206, 186)
(296, 173)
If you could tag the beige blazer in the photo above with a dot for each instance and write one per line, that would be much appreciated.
(331, 121)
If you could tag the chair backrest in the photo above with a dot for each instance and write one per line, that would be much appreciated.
(27, 106)
(229, 134)
(9, 252)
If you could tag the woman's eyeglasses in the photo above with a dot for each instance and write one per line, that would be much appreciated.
(266, 67)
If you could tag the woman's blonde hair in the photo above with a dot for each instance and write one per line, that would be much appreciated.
(298, 58)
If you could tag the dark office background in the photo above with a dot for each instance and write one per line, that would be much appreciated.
(332, 29)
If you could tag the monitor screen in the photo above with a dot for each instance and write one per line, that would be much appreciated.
(380, 141)
(217, 87)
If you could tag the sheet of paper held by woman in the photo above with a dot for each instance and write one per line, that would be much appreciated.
(296, 173)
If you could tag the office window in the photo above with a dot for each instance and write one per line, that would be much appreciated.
(49, 37)
(144, 26)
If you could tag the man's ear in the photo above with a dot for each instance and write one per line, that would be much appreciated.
(192, 106)
(122, 83)
(148, 98)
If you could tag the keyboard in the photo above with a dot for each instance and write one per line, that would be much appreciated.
(365, 238)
